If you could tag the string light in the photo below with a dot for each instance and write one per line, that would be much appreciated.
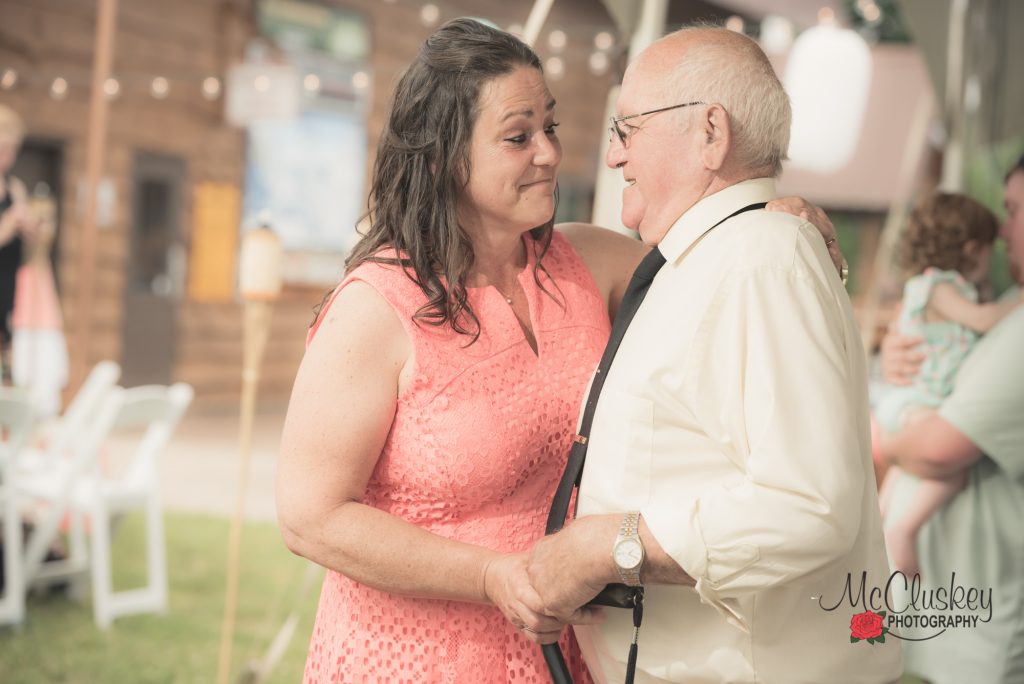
(826, 15)
(59, 88)
(776, 34)
(871, 13)
(211, 87)
(159, 88)
(111, 88)
(554, 67)
(734, 24)
(8, 79)
(429, 14)
(557, 40)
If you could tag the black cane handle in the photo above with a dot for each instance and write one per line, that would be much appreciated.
(556, 664)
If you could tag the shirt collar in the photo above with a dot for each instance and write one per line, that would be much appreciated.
(710, 210)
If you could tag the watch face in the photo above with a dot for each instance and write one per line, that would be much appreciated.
(628, 554)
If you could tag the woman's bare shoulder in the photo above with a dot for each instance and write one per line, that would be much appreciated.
(585, 236)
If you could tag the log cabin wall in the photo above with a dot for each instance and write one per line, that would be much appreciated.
(186, 41)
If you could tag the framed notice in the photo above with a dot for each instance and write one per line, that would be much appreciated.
(214, 243)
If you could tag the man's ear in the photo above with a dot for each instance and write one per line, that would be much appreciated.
(717, 137)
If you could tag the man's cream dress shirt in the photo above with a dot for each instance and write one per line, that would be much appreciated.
(735, 419)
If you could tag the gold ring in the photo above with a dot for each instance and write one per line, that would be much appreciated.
(828, 243)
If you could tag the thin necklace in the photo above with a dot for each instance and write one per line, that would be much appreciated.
(507, 298)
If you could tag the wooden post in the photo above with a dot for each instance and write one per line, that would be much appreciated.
(96, 141)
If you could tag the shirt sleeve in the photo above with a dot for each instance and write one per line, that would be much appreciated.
(774, 386)
(987, 402)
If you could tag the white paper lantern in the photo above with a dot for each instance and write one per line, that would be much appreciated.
(828, 77)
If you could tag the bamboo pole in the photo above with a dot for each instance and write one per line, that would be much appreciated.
(257, 330)
(96, 142)
(259, 284)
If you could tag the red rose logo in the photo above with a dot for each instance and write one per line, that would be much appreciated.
(867, 626)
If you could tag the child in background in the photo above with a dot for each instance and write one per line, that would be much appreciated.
(946, 250)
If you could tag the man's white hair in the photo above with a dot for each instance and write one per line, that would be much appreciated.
(730, 69)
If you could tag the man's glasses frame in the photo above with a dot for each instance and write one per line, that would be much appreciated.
(623, 136)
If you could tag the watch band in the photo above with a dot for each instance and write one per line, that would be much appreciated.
(629, 530)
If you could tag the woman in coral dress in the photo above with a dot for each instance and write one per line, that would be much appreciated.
(434, 409)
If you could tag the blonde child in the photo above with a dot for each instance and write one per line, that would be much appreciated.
(946, 250)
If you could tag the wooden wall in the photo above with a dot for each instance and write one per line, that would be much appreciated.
(185, 40)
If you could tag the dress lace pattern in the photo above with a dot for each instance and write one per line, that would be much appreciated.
(479, 440)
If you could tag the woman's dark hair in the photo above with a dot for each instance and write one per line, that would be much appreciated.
(940, 226)
(422, 166)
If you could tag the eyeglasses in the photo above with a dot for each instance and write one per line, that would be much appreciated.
(623, 136)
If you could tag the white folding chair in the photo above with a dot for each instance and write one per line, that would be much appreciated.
(58, 443)
(16, 416)
(81, 488)
(103, 376)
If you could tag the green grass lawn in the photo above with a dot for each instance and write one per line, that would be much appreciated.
(60, 642)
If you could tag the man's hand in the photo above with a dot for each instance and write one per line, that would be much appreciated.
(570, 568)
(901, 361)
(798, 206)
(506, 585)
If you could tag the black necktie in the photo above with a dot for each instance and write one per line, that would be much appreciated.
(635, 293)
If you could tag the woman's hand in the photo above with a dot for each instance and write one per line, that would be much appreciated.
(507, 586)
(798, 206)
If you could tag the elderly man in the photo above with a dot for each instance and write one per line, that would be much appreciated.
(977, 535)
(731, 439)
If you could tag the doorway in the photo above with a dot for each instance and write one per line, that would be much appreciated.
(155, 270)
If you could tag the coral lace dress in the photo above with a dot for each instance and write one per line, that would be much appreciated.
(476, 449)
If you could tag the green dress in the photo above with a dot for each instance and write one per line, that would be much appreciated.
(946, 345)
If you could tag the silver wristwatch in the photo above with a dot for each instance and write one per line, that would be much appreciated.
(628, 550)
